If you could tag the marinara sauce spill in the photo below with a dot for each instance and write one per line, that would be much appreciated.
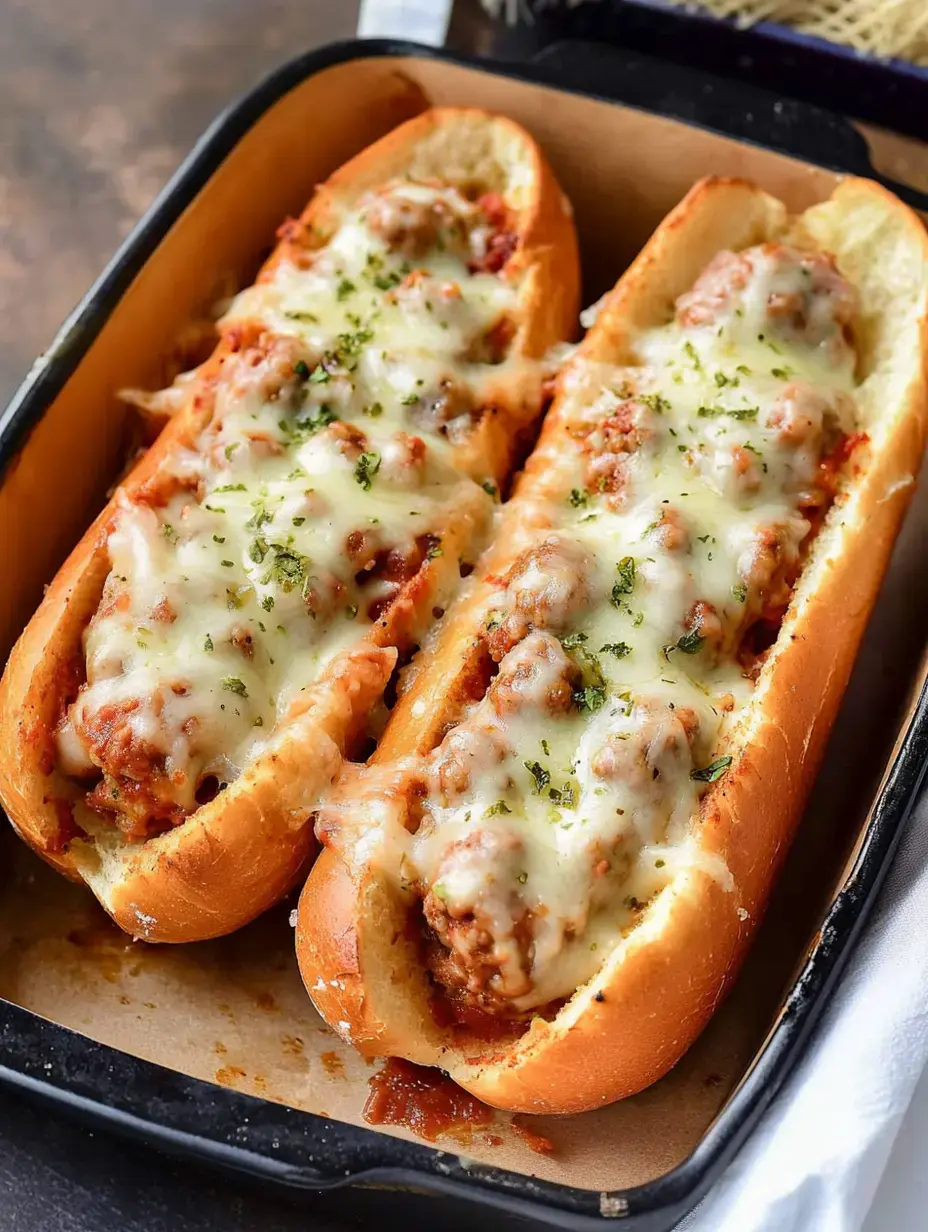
(424, 1101)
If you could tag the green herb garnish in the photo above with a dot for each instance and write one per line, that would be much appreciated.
(573, 641)
(288, 569)
(655, 402)
(565, 797)
(366, 467)
(709, 774)
(738, 412)
(693, 355)
(497, 809)
(541, 776)
(621, 650)
(260, 517)
(626, 582)
(591, 699)
(257, 550)
(305, 426)
(691, 642)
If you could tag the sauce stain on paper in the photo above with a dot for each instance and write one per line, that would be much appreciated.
(230, 1075)
(333, 1064)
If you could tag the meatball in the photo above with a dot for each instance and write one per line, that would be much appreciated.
(784, 292)
(450, 410)
(536, 674)
(799, 418)
(483, 932)
(469, 751)
(798, 415)
(493, 243)
(703, 622)
(768, 568)
(670, 530)
(808, 301)
(350, 441)
(660, 736)
(403, 461)
(409, 223)
(721, 282)
(610, 446)
(270, 369)
(137, 788)
(545, 587)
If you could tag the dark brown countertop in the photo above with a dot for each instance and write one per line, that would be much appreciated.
(99, 102)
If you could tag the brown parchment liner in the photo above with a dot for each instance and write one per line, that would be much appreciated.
(233, 1011)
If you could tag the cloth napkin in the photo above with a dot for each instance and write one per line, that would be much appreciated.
(815, 1161)
(422, 21)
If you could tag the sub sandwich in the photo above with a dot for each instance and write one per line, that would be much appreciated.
(545, 878)
(223, 633)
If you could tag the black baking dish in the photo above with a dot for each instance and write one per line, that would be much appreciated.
(129, 319)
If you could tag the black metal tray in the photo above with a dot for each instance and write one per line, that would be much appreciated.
(280, 1146)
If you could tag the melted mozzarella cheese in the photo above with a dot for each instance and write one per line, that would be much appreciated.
(275, 538)
(677, 517)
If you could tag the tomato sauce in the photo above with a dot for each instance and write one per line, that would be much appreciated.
(424, 1101)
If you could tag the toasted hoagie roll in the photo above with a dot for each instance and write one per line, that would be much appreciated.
(223, 632)
(548, 874)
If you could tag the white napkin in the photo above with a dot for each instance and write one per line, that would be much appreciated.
(815, 1161)
(422, 21)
